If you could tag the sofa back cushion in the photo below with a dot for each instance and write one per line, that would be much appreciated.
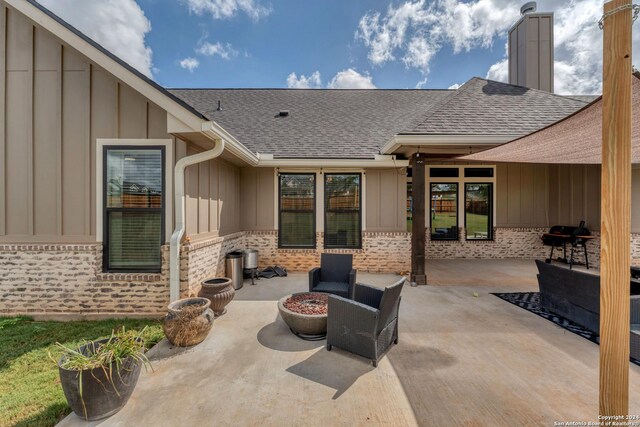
(335, 267)
(576, 287)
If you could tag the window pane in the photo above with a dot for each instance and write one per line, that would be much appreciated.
(444, 172)
(297, 229)
(342, 211)
(444, 211)
(134, 178)
(478, 172)
(478, 199)
(297, 210)
(134, 240)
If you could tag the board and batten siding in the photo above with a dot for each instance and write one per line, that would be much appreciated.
(212, 191)
(55, 104)
(386, 200)
(258, 189)
(521, 195)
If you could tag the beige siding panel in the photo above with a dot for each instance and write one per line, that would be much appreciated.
(17, 153)
(592, 199)
(19, 31)
(541, 196)
(502, 194)
(564, 195)
(75, 148)
(191, 193)
(373, 200)
(388, 199)
(103, 123)
(157, 122)
(577, 194)
(213, 195)
(514, 189)
(527, 200)
(3, 68)
(132, 117)
(249, 201)
(203, 198)
(554, 215)
(266, 199)
(229, 198)
(46, 51)
(74, 61)
(45, 152)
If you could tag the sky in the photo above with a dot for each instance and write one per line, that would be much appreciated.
(335, 43)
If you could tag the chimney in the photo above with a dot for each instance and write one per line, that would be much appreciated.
(531, 49)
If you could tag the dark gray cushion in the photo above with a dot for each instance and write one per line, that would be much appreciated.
(335, 267)
(332, 287)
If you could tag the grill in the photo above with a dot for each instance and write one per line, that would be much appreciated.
(559, 236)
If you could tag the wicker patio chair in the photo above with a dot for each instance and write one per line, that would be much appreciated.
(366, 325)
(335, 275)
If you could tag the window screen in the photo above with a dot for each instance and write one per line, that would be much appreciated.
(478, 211)
(444, 211)
(297, 223)
(342, 218)
(134, 201)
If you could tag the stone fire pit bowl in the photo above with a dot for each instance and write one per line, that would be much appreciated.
(306, 326)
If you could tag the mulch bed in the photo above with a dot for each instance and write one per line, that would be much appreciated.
(315, 303)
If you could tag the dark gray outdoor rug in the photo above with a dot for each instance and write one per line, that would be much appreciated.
(530, 301)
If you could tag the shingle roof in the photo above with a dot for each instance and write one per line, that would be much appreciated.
(321, 123)
(358, 123)
(486, 107)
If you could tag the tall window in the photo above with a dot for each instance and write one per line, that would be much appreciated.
(342, 214)
(444, 211)
(297, 222)
(477, 211)
(134, 208)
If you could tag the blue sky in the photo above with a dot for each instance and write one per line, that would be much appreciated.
(297, 36)
(334, 43)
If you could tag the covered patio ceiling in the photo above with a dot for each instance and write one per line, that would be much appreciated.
(576, 139)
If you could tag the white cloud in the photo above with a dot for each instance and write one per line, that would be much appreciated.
(351, 79)
(345, 79)
(455, 86)
(120, 26)
(224, 51)
(416, 30)
(312, 81)
(220, 9)
(190, 63)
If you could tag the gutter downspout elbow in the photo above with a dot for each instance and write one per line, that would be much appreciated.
(180, 210)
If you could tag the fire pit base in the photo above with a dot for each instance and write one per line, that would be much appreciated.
(310, 327)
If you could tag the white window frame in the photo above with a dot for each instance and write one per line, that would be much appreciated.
(461, 181)
(133, 143)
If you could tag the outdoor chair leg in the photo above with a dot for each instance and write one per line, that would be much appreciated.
(374, 362)
(328, 347)
(586, 256)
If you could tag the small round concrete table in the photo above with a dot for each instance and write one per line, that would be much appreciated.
(305, 314)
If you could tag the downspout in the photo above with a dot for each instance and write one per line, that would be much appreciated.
(179, 202)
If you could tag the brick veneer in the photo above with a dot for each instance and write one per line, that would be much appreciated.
(68, 279)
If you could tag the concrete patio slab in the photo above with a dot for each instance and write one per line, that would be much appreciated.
(462, 360)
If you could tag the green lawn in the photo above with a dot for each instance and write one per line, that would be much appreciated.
(30, 391)
(475, 222)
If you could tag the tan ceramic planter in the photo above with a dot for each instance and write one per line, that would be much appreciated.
(220, 291)
(184, 332)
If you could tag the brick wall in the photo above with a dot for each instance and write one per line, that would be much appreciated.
(63, 279)
(205, 259)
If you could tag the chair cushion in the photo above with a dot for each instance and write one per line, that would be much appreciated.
(337, 288)
(335, 267)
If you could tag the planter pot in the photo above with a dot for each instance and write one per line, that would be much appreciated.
(220, 291)
(96, 393)
(188, 321)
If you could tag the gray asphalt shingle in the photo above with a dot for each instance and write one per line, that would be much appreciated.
(358, 123)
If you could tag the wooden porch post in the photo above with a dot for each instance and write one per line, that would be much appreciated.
(418, 229)
(616, 210)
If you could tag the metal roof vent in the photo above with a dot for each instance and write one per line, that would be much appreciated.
(528, 7)
(283, 113)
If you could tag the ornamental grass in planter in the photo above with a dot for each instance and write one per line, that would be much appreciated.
(99, 376)
(188, 321)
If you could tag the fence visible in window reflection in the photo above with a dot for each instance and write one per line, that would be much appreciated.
(478, 211)
(444, 211)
